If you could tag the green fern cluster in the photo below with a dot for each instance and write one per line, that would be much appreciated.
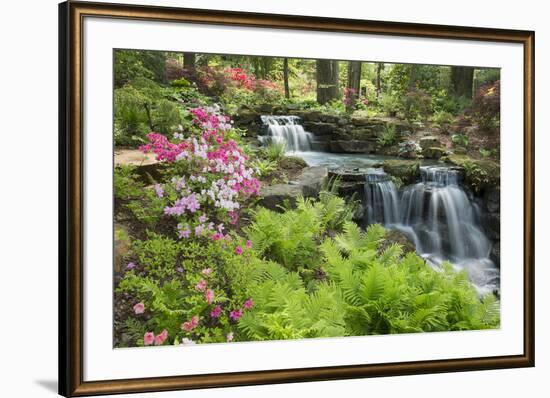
(291, 238)
(365, 292)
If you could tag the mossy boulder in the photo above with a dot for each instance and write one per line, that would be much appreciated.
(429, 141)
(433, 152)
(480, 175)
(408, 171)
(292, 163)
(394, 236)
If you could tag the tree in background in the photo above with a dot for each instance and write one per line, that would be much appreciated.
(285, 77)
(353, 84)
(379, 66)
(462, 78)
(328, 73)
(189, 60)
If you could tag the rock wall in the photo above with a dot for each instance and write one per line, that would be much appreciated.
(333, 133)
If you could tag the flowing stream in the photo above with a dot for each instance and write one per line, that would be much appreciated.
(436, 213)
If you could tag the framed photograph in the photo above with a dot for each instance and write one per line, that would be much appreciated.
(253, 199)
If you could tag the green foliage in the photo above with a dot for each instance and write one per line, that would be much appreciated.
(166, 116)
(389, 135)
(148, 208)
(126, 185)
(460, 140)
(476, 175)
(287, 238)
(264, 167)
(366, 292)
(390, 104)
(417, 105)
(274, 151)
(158, 255)
(443, 121)
(487, 153)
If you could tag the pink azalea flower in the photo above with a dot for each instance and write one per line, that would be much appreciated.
(235, 315)
(190, 325)
(161, 338)
(201, 285)
(207, 271)
(217, 236)
(139, 308)
(148, 338)
(131, 266)
(209, 296)
(248, 244)
(216, 312)
(238, 250)
(248, 304)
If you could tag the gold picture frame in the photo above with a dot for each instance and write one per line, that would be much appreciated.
(71, 239)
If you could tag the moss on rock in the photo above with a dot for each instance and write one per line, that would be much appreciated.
(407, 171)
(479, 174)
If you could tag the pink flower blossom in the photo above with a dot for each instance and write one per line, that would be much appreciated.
(248, 304)
(238, 250)
(216, 312)
(229, 337)
(131, 266)
(209, 296)
(139, 308)
(148, 338)
(235, 315)
(190, 325)
(201, 285)
(217, 236)
(161, 338)
(248, 244)
(207, 271)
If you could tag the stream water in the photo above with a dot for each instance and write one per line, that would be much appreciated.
(436, 213)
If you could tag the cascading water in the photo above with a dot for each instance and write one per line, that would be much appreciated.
(287, 130)
(440, 219)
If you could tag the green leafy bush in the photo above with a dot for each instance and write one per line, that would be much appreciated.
(460, 140)
(126, 184)
(274, 151)
(388, 136)
(390, 104)
(417, 105)
(443, 121)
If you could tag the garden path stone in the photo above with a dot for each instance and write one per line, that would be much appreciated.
(146, 164)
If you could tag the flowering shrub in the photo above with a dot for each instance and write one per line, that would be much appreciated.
(485, 107)
(212, 176)
(190, 294)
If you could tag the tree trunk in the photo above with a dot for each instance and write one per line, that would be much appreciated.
(189, 60)
(285, 77)
(413, 76)
(327, 81)
(354, 83)
(462, 78)
(378, 80)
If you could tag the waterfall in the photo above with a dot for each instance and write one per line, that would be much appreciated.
(439, 218)
(287, 130)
